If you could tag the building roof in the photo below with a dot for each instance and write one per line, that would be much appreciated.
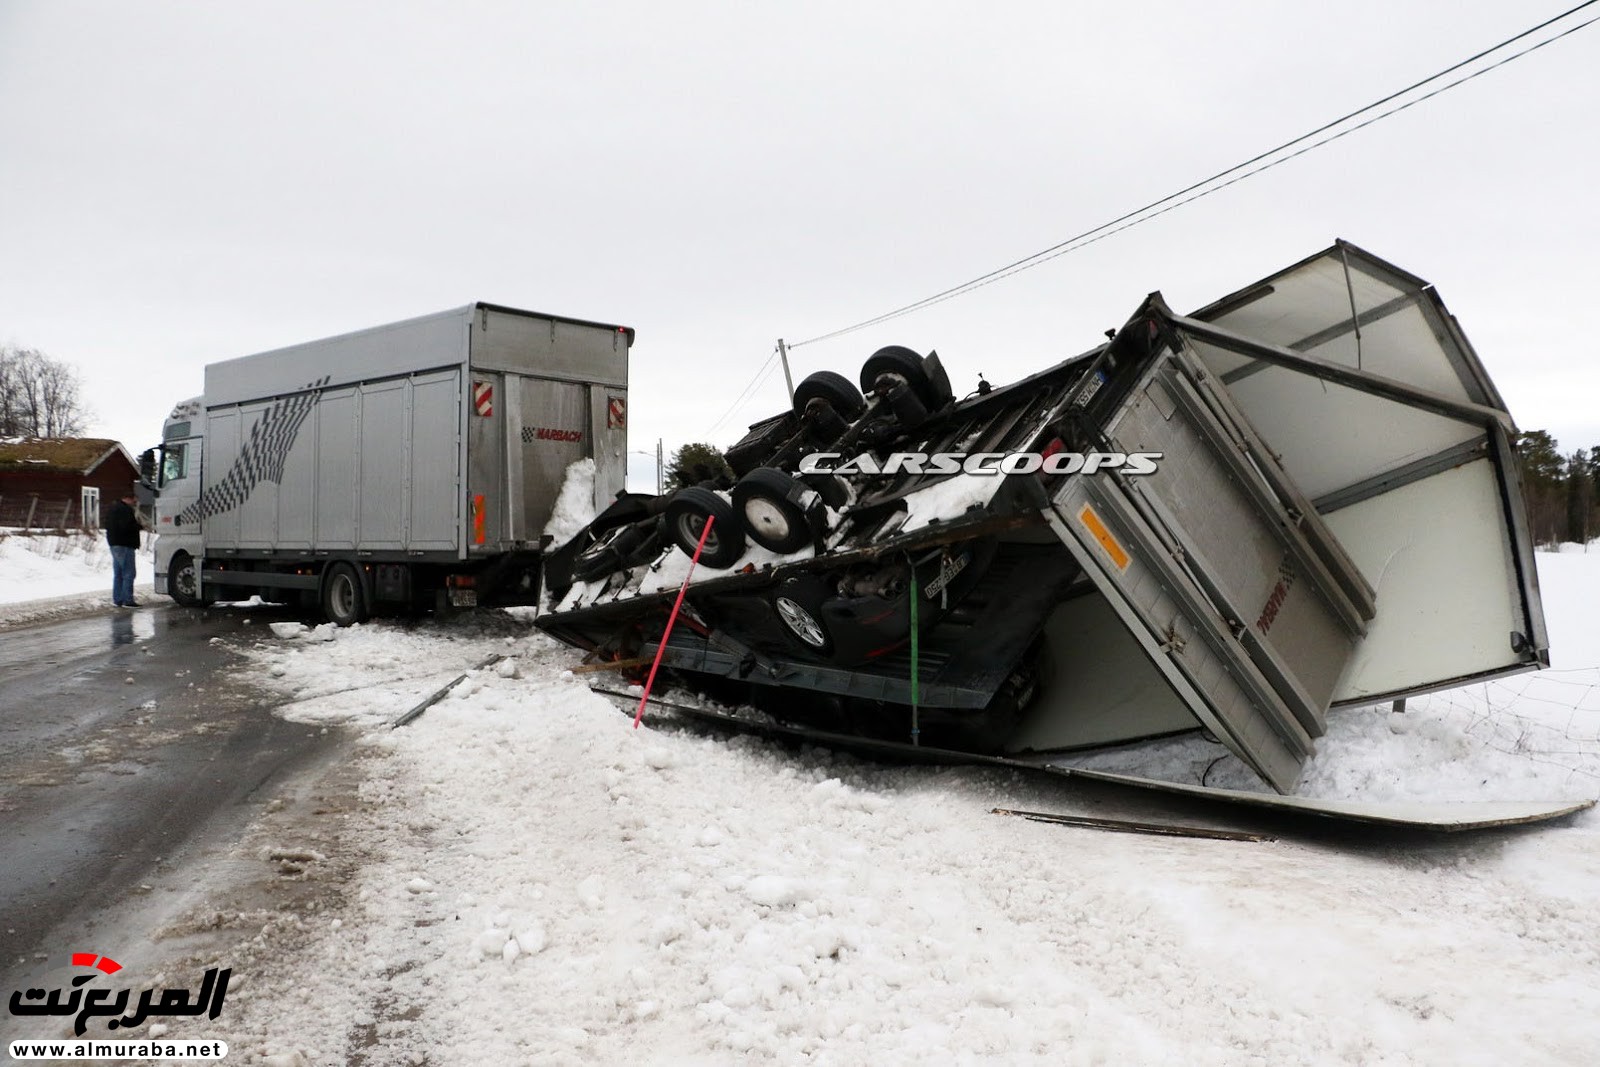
(62, 455)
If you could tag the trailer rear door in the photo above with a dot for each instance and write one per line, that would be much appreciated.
(1380, 410)
(1237, 591)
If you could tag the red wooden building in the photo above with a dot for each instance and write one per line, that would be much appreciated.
(62, 482)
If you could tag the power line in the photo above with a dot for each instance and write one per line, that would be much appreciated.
(756, 380)
(1200, 188)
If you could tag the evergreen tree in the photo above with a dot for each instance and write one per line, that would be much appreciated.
(1544, 485)
(698, 463)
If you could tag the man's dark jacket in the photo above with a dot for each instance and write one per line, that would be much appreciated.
(122, 526)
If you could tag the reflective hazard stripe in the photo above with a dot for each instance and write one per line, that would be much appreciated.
(1097, 529)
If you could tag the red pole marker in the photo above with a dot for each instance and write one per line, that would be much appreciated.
(672, 618)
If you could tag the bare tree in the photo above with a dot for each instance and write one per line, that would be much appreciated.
(39, 396)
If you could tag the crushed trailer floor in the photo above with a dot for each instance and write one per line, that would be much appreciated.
(1445, 817)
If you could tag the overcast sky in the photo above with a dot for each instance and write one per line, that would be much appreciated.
(187, 182)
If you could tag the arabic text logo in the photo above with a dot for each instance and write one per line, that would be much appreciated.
(90, 1003)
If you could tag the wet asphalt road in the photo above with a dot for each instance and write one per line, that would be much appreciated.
(123, 741)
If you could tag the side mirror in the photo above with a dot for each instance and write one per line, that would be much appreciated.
(147, 466)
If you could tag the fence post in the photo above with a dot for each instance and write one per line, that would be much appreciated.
(27, 524)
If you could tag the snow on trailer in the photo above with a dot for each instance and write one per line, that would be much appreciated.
(1300, 496)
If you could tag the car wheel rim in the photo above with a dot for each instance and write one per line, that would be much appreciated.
(763, 516)
(800, 622)
(343, 596)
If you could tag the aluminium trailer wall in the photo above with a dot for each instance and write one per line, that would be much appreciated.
(441, 437)
(1347, 402)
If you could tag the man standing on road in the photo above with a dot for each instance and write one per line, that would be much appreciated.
(122, 534)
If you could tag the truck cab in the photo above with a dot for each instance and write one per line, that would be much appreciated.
(176, 480)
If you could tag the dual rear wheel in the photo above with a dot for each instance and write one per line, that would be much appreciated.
(768, 507)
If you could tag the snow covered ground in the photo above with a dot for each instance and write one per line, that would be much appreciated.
(43, 575)
(519, 877)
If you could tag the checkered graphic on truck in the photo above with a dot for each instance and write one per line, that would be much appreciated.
(261, 459)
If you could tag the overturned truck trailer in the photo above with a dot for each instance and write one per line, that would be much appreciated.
(1299, 497)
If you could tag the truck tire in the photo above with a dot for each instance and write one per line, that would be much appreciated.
(686, 518)
(770, 503)
(897, 361)
(835, 388)
(183, 581)
(926, 377)
(344, 601)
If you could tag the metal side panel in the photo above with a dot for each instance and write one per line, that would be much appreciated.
(1447, 816)
(1349, 307)
(385, 423)
(1237, 541)
(549, 347)
(1181, 631)
(555, 432)
(258, 511)
(435, 456)
(488, 523)
(1449, 609)
(297, 491)
(1450, 816)
(338, 427)
(1097, 685)
(608, 418)
(1422, 493)
(224, 439)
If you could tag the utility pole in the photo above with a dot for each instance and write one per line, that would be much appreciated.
(660, 469)
(783, 354)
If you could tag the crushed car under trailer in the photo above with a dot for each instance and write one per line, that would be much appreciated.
(1333, 518)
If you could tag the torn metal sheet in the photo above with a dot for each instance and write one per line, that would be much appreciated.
(1445, 816)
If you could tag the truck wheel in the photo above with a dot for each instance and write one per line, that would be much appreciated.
(343, 601)
(798, 605)
(769, 502)
(899, 362)
(686, 518)
(844, 398)
(183, 581)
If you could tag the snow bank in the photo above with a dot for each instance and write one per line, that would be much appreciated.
(545, 884)
(34, 566)
(49, 576)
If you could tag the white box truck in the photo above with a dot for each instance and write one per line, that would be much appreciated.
(410, 465)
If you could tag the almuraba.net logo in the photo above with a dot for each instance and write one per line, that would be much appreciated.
(82, 1002)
